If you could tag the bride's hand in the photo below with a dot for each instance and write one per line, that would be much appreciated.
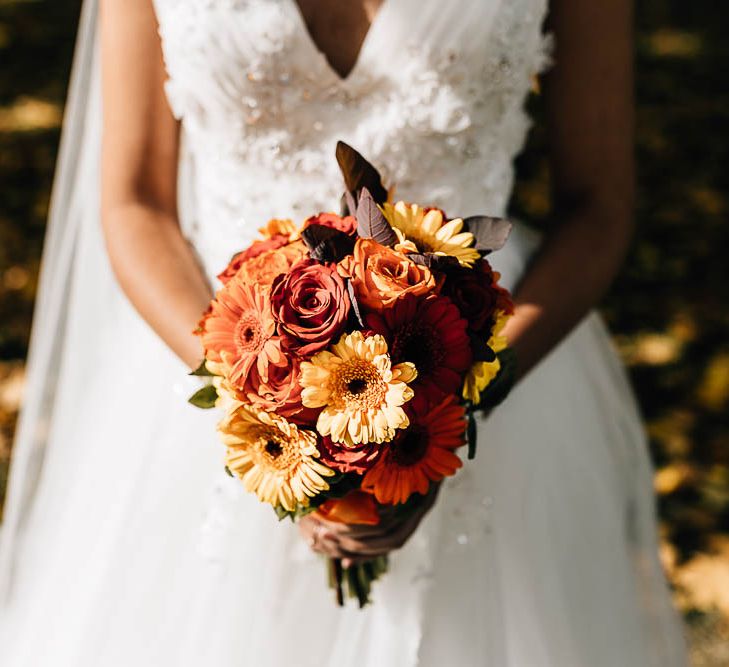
(356, 543)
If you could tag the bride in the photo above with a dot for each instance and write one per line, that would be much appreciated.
(125, 543)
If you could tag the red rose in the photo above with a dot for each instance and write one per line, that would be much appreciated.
(337, 456)
(347, 224)
(477, 294)
(311, 306)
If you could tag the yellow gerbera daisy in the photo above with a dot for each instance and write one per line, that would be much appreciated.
(273, 458)
(361, 392)
(482, 373)
(421, 230)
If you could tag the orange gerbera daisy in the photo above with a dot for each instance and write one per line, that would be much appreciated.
(238, 331)
(421, 454)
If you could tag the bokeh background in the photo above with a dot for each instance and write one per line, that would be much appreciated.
(668, 308)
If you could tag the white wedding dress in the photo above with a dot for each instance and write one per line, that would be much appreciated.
(124, 541)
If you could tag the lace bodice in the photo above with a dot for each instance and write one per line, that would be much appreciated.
(435, 100)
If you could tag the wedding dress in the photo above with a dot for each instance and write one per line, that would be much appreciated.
(124, 541)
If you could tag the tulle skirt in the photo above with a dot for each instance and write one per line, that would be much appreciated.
(139, 550)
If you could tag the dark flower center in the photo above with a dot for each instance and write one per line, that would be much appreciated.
(356, 387)
(273, 449)
(420, 344)
(410, 447)
(247, 333)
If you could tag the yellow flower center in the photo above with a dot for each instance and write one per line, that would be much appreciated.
(358, 384)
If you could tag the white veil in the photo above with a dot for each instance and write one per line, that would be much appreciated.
(75, 276)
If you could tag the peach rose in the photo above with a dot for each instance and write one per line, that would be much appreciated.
(264, 268)
(252, 251)
(381, 275)
(278, 390)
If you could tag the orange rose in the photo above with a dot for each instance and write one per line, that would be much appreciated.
(264, 268)
(277, 390)
(381, 275)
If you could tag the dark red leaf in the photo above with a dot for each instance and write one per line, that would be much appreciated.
(355, 304)
(433, 261)
(327, 244)
(490, 233)
(371, 223)
(359, 173)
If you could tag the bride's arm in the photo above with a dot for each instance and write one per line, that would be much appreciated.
(153, 263)
(590, 113)
(589, 98)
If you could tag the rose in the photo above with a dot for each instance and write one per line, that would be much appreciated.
(278, 390)
(358, 458)
(254, 250)
(347, 224)
(477, 294)
(264, 268)
(310, 305)
(381, 275)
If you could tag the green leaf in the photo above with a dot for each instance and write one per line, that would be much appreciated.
(471, 435)
(205, 397)
(282, 513)
(201, 370)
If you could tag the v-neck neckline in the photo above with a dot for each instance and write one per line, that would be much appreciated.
(363, 49)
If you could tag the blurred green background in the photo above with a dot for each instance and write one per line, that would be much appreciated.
(667, 309)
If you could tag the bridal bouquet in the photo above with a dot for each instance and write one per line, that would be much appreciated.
(349, 354)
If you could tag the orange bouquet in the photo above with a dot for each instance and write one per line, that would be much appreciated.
(349, 353)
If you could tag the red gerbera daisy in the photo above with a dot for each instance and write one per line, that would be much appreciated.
(430, 333)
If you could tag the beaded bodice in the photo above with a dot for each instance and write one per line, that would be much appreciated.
(435, 101)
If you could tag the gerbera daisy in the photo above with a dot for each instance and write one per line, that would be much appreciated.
(482, 373)
(361, 392)
(238, 331)
(279, 227)
(425, 230)
(430, 333)
(273, 458)
(421, 454)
